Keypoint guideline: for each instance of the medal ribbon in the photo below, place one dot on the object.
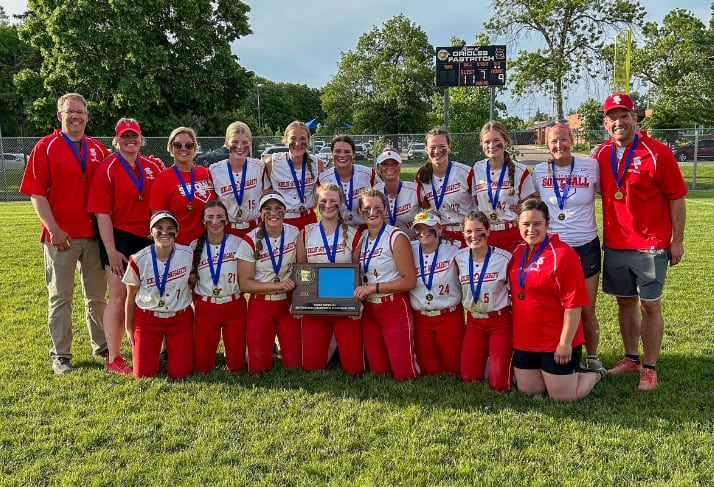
(330, 255)
(216, 274)
(522, 275)
(556, 186)
(82, 160)
(161, 285)
(476, 293)
(299, 188)
(392, 214)
(431, 269)
(494, 200)
(239, 199)
(348, 198)
(613, 161)
(277, 267)
(440, 199)
(189, 196)
(367, 260)
(138, 183)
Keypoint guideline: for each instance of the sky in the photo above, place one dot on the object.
(301, 41)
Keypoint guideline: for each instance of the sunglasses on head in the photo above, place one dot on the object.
(178, 145)
(425, 217)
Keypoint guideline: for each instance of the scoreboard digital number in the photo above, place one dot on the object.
(470, 66)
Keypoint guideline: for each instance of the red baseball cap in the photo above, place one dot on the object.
(128, 126)
(619, 100)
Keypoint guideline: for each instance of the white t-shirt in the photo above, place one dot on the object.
(253, 189)
(507, 206)
(457, 200)
(494, 290)
(315, 246)
(264, 271)
(407, 206)
(445, 287)
(363, 179)
(579, 226)
(228, 278)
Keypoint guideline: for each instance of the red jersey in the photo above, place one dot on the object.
(167, 193)
(113, 192)
(641, 219)
(54, 172)
(554, 283)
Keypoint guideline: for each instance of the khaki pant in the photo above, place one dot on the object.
(59, 277)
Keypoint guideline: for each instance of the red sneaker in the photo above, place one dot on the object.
(118, 366)
(648, 379)
(625, 366)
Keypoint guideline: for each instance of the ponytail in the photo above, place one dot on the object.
(200, 243)
(425, 173)
(259, 235)
(511, 172)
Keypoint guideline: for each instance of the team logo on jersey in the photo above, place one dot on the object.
(202, 191)
(636, 162)
(617, 99)
(93, 152)
(149, 173)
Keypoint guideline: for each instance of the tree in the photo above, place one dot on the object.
(384, 85)
(165, 62)
(573, 32)
(281, 103)
(590, 114)
(675, 60)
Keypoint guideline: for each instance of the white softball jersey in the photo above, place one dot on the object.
(494, 294)
(382, 266)
(445, 288)
(362, 179)
(264, 271)
(282, 181)
(228, 277)
(315, 246)
(407, 202)
(458, 200)
(253, 189)
(506, 208)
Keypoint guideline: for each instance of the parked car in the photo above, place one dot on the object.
(273, 150)
(324, 154)
(318, 145)
(360, 152)
(209, 158)
(705, 150)
(12, 161)
(416, 151)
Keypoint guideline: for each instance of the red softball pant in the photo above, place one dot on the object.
(265, 319)
(505, 239)
(210, 322)
(488, 338)
(302, 221)
(316, 334)
(149, 333)
(388, 330)
(437, 340)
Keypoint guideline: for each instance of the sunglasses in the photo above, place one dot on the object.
(188, 145)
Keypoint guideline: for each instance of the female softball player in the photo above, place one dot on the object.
(158, 303)
(403, 197)
(220, 307)
(436, 299)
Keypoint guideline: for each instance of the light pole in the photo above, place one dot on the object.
(258, 87)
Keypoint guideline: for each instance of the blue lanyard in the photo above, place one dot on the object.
(522, 275)
(440, 199)
(216, 273)
(392, 214)
(298, 187)
(277, 267)
(556, 186)
(431, 269)
(82, 160)
(161, 285)
(140, 183)
(613, 161)
(330, 255)
(367, 260)
(239, 199)
(348, 198)
(476, 293)
(491, 198)
(189, 196)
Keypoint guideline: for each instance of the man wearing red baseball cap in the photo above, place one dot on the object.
(643, 229)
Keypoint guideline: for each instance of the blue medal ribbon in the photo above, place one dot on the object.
(367, 259)
(277, 267)
(491, 198)
(298, 187)
(392, 214)
(189, 196)
(556, 186)
(330, 255)
(138, 183)
(521, 274)
(216, 273)
(476, 293)
(161, 285)
(613, 161)
(239, 197)
(348, 198)
(431, 269)
(440, 199)
(82, 160)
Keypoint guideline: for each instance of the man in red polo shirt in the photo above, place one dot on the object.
(57, 180)
(643, 229)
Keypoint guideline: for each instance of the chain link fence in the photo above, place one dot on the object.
(689, 145)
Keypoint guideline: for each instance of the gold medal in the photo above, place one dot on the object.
(240, 212)
(302, 208)
(216, 291)
(189, 207)
(141, 197)
(161, 303)
(364, 279)
(521, 295)
(429, 297)
(349, 217)
(276, 279)
(561, 216)
(619, 195)
(475, 310)
(84, 177)
(494, 216)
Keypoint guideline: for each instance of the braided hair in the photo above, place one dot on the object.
(425, 172)
(503, 132)
(201, 241)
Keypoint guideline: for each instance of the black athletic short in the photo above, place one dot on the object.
(546, 361)
(125, 242)
(590, 259)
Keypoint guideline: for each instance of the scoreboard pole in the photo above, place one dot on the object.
(493, 102)
(446, 109)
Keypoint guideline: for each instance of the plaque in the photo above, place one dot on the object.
(325, 289)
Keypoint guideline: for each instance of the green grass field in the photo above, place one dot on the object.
(298, 428)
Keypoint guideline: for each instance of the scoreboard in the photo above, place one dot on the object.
(470, 66)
